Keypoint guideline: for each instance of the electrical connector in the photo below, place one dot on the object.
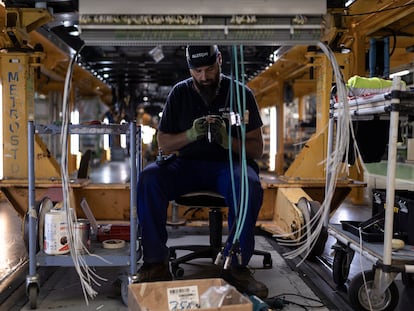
(239, 258)
(219, 259)
(227, 263)
(258, 304)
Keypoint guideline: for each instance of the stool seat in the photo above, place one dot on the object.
(202, 199)
(215, 202)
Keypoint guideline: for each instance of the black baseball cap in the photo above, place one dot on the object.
(201, 55)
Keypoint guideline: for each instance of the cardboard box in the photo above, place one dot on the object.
(177, 295)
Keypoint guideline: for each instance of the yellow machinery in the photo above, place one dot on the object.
(305, 177)
(24, 68)
(311, 74)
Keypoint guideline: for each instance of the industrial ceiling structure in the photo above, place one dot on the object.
(137, 48)
(133, 54)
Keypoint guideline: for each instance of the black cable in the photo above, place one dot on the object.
(279, 301)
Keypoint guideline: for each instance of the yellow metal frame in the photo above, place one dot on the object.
(304, 177)
(350, 31)
(22, 73)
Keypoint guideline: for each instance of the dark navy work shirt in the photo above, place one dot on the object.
(184, 105)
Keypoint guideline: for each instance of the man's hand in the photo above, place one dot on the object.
(219, 134)
(198, 130)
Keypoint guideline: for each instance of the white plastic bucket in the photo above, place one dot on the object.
(55, 233)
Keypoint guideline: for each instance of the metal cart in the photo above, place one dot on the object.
(375, 289)
(127, 256)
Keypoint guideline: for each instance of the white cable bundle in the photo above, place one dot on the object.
(336, 163)
(86, 275)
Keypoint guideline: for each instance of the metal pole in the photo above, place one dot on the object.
(391, 168)
(33, 218)
(328, 163)
(133, 197)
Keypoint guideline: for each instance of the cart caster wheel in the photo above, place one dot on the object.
(124, 292)
(267, 262)
(32, 292)
(407, 279)
(361, 302)
(178, 272)
(122, 285)
(340, 268)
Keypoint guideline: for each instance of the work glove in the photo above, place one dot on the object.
(219, 134)
(198, 130)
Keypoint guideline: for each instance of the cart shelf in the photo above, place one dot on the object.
(125, 256)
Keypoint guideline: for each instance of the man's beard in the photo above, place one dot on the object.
(209, 92)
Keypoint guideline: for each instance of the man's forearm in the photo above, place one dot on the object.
(254, 147)
(169, 143)
(253, 144)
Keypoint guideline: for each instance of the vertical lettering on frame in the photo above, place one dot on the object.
(13, 122)
(17, 88)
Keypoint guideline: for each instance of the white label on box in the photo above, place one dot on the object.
(183, 298)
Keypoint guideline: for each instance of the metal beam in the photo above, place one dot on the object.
(202, 7)
(382, 15)
(221, 30)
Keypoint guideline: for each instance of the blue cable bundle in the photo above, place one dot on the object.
(240, 202)
(258, 304)
(268, 304)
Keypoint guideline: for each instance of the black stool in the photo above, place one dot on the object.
(215, 203)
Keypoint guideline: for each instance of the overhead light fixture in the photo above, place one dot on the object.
(349, 2)
(273, 138)
(157, 54)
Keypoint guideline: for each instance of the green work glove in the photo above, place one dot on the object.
(198, 130)
(219, 134)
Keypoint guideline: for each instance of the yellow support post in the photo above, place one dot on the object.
(309, 163)
(17, 78)
(17, 109)
(324, 78)
(18, 65)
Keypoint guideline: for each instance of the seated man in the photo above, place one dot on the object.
(194, 125)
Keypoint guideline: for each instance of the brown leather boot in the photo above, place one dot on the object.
(242, 279)
(154, 272)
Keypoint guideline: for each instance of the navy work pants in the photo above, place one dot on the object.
(160, 184)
